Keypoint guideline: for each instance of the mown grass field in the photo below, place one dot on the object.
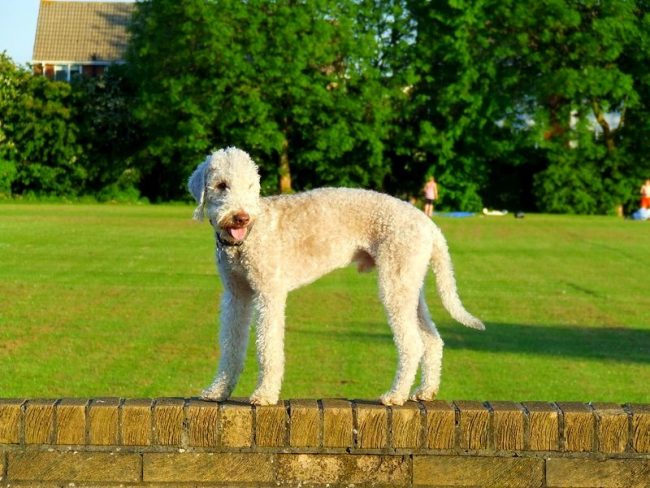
(122, 301)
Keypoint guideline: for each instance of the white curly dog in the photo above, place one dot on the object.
(267, 247)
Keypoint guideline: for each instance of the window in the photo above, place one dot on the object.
(60, 72)
(66, 72)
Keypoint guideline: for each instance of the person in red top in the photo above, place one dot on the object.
(430, 194)
(645, 194)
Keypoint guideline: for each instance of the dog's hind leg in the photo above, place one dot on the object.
(400, 301)
(431, 363)
(236, 314)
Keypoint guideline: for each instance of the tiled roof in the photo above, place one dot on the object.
(82, 31)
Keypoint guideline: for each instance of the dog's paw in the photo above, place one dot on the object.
(424, 394)
(259, 399)
(392, 398)
(214, 395)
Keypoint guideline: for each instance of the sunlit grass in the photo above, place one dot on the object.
(122, 301)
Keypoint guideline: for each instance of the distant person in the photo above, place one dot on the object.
(645, 194)
(430, 195)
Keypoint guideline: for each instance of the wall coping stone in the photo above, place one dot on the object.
(335, 442)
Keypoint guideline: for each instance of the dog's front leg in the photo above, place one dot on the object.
(236, 312)
(270, 347)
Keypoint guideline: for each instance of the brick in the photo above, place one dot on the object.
(579, 427)
(209, 467)
(640, 428)
(372, 425)
(337, 424)
(474, 423)
(343, 470)
(203, 423)
(10, 417)
(271, 425)
(39, 421)
(73, 466)
(440, 424)
(304, 430)
(610, 473)
(168, 419)
(406, 426)
(612, 427)
(136, 422)
(103, 421)
(71, 421)
(236, 424)
(509, 425)
(477, 471)
(544, 426)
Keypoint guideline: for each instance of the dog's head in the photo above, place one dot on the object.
(226, 186)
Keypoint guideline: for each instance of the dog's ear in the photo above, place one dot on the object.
(196, 185)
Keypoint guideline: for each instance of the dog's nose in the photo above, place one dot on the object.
(241, 219)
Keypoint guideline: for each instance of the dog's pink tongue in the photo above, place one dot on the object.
(238, 234)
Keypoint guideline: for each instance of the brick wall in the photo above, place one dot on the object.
(187, 442)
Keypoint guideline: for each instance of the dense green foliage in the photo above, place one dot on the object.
(38, 148)
(520, 104)
(293, 84)
(122, 300)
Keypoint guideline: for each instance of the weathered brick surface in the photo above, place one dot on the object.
(641, 428)
(271, 425)
(406, 426)
(372, 425)
(544, 426)
(236, 424)
(612, 422)
(103, 421)
(474, 423)
(305, 424)
(177, 442)
(337, 424)
(10, 418)
(72, 466)
(209, 467)
(71, 421)
(39, 422)
(509, 424)
(136, 422)
(346, 470)
(168, 417)
(203, 423)
(609, 473)
(579, 427)
(440, 424)
(477, 471)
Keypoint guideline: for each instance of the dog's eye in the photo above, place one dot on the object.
(222, 186)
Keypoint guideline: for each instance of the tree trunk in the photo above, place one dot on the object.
(608, 133)
(284, 170)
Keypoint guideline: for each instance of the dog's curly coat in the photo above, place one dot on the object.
(267, 247)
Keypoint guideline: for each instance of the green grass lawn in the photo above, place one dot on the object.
(122, 301)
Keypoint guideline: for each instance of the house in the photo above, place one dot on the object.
(75, 38)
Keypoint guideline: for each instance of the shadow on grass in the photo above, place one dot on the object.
(600, 343)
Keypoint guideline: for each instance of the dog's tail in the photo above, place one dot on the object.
(446, 283)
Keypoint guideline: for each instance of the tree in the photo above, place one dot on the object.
(291, 81)
(528, 88)
(573, 76)
(108, 133)
(38, 139)
(450, 117)
(10, 77)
